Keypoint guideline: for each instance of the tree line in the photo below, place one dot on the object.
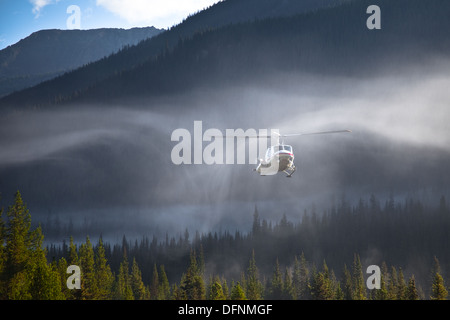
(28, 272)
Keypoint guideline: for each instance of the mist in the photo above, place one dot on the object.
(112, 166)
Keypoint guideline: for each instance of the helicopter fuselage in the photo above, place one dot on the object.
(279, 158)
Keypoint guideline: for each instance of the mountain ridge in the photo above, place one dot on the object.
(223, 13)
(331, 40)
(51, 52)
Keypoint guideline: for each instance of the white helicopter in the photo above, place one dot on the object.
(280, 157)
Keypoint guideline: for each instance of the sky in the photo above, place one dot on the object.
(20, 18)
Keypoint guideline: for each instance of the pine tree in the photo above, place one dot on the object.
(164, 286)
(225, 289)
(253, 284)
(237, 293)
(300, 281)
(358, 284)
(154, 285)
(438, 290)
(401, 286)
(123, 289)
(62, 271)
(338, 293)
(382, 293)
(192, 285)
(296, 286)
(26, 273)
(393, 284)
(276, 285)
(89, 289)
(335, 287)
(72, 259)
(348, 286)
(411, 290)
(18, 242)
(104, 276)
(73, 255)
(321, 287)
(140, 292)
(177, 293)
(288, 289)
(215, 290)
(44, 280)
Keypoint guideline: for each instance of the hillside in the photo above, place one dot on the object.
(222, 14)
(334, 40)
(48, 53)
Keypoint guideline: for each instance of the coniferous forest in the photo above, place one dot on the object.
(272, 261)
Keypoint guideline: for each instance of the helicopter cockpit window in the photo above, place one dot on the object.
(288, 148)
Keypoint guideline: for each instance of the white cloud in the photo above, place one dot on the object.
(159, 13)
(38, 5)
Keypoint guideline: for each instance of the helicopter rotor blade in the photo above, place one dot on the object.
(314, 133)
(233, 136)
(276, 134)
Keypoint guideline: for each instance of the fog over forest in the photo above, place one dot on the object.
(114, 167)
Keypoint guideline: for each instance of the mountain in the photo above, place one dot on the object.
(48, 53)
(221, 14)
(332, 40)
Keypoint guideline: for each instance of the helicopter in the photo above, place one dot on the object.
(280, 157)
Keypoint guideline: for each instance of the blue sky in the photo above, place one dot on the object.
(20, 18)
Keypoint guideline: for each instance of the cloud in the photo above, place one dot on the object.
(153, 12)
(38, 5)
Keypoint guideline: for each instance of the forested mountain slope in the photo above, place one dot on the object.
(48, 53)
(329, 41)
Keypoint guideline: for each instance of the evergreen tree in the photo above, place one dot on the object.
(164, 286)
(237, 293)
(89, 289)
(358, 284)
(335, 287)
(140, 292)
(192, 285)
(393, 284)
(338, 293)
(44, 280)
(411, 290)
(276, 285)
(438, 290)
(253, 284)
(348, 286)
(62, 271)
(154, 285)
(288, 289)
(216, 291)
(401, 286)
(225, 289)
(382, 293)
(177, 293)
(18, 242)
(300, 281)
(123, 289)
(25, 271)
(321, 287)
(73, 255)
(104, 276)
